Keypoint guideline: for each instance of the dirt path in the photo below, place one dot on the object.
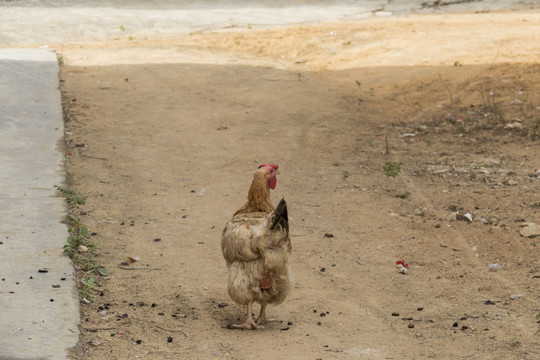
(163, 146)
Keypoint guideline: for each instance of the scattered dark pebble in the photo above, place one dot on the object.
(222, 305)
(124, 263)
(395, 314)
(1, 242)
(464, 327)
(80, 145)
(122, 223)
(328, 235)
(325, 346)
(289, 323)
(138, 342)
(93, 234)
(323, 269)
(410, 326)
(100, 308)
(61, 279)
(123, 316)
(169, 339)
(153, 305)
(319, 323)
(112, 334)
(489, 302)
(43, 270)
(52, 300)
(140, 303)
(323, 314)
(420, 309)
(131, 304)
(407, 318)
(463, 318)
(161, 314)
(192, 191)
(17, 283)
(455, 324)
(174, 315)
(284, 329)
(101, 293)
(314, 310)
(56, 286)
(31, 277)
(157, 240)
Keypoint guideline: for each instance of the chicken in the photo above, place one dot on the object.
(256, 247)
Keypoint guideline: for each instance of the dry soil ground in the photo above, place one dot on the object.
(163, 136)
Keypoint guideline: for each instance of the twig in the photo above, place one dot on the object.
(386, 143)
(99, 329)
(136, 268)
(384, 245)
(93, 157)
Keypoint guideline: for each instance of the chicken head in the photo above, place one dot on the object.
(271, 172)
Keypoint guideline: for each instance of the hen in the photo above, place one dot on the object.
(256, 247)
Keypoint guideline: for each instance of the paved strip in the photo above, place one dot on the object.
(38, 318)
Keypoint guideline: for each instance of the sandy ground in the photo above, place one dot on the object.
(163, 135)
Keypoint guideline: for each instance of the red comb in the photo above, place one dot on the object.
(271, 165)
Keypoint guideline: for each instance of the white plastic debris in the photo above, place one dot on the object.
(494, 267)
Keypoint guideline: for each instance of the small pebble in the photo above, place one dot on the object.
(169, 339)
(222, 305)
(138, 342)
(410, 326)
(455, 324)
(323, 269)
(395, 314)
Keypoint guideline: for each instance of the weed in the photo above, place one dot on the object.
(458, 63)
(515, 342)
(78, 235)
(346, 174)
(462, 129)
(60, 59)
(392, 169)
(88, 287)
(123, 28)
(404, 195)
(73, 201)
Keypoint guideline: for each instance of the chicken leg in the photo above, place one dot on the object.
(249, 324)
(262, 315)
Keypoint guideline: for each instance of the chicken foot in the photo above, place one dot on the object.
(250, 323)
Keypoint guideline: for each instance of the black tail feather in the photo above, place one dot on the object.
(280, 215)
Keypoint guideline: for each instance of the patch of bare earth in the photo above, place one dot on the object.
(164, 152)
